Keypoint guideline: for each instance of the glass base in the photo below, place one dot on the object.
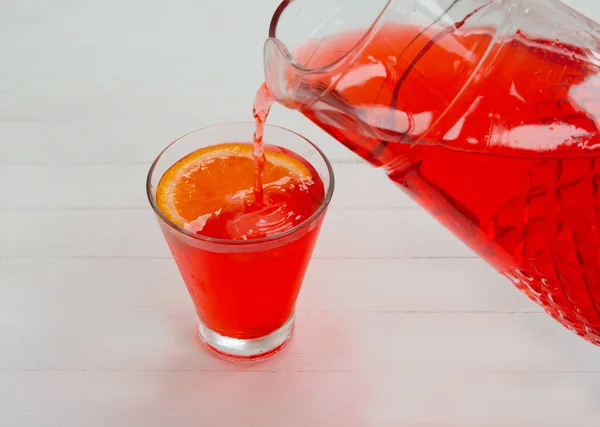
(250, 349)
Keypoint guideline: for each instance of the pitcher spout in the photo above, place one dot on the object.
(299, 64)
(282, 76)
(381, 73)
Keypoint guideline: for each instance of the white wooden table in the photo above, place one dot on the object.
(398, 323)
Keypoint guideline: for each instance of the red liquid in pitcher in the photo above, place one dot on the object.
(511, 167)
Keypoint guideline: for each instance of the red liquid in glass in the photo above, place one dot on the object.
(511, 167)
(245, 291)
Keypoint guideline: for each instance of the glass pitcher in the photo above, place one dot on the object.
(484, 111)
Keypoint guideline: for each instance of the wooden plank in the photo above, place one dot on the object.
(362, 233)
(117, 186)
(422, 398)
(102, 141)
(183, 398)
(86, 336)
(366, 286)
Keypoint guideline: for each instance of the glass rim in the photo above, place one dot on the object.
(311, 219)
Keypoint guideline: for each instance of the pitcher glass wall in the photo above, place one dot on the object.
(484, 111)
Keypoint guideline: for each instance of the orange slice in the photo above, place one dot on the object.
(220, 176)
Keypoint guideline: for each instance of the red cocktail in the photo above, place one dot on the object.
(242, 259)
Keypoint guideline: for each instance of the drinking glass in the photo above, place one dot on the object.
(244, 291)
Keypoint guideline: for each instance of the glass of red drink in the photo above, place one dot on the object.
(245, 291)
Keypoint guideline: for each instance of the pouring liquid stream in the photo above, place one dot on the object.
(262, 105)
(269, 205)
